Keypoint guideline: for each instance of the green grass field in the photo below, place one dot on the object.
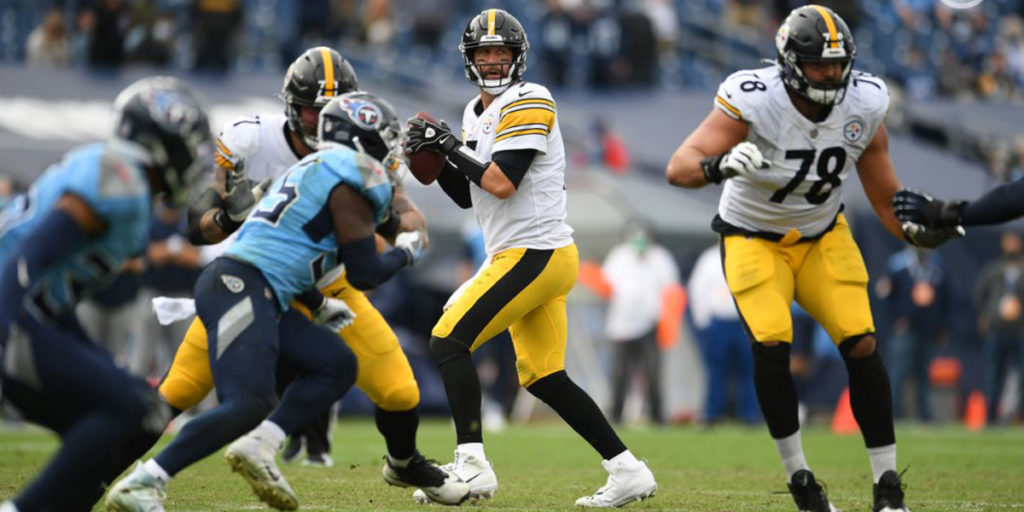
(546, 467)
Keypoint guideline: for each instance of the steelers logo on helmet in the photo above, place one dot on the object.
(494, 27)
(815, 34)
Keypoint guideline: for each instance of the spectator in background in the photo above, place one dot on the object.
(996, 82)
(916, 291)
(215, 28)
(640, 274)
(725, 347)
(48, 44)
(172, 270)
(151, 40)
(429, 20)
(999, 296)
(107, 314)
(605, 47)
(6, 190)
(556, 43)
(107, 27)
(665, 24)
(744, 13)
(378, 25)
(610, 150)
(638, 50)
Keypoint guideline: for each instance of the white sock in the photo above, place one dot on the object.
(151, 467)
(271, 432)
(883, 459)
(399, 463)
(474, 449)
(791, 450)
(8, 506)
(625, 457)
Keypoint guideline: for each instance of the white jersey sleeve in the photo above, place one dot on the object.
(237, 140)
(869, 95)
(741, 94)
(525, 119)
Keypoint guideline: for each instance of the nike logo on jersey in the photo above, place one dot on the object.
(524, 93)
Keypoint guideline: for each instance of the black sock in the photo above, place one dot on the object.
(462, 385)
(578, 410)
(775, 389)
(399, 430)
(871, 399)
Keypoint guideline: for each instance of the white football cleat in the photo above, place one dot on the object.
(479, 474)
(139, 491)
(626, 483)
(253, 457)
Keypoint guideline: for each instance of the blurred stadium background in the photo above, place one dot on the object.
(631, 78)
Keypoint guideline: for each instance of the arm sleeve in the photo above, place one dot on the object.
(456, 185)
(514, 163)
(364, 268)
(55, 237)
(1001, 204)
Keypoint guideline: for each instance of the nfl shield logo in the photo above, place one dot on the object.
(233, 283)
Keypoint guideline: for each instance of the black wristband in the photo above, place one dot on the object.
(224, 222)
(466, 162)
(712, 171)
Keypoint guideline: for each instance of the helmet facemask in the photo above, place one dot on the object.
(831, 45)
(500, 85)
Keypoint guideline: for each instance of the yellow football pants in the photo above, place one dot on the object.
(827, 277)
(384, 371)
(522, 290)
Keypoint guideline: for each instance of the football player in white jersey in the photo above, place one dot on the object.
(510, 168)
(261, 147)
(782, 141)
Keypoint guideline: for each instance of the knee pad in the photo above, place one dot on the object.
(771, 357)
(402, 399)
(852, 348)
(549, 385)
(445, 350)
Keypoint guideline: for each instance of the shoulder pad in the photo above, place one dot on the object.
(237, 140)
(869, 92)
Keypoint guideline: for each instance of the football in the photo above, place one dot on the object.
(425, 165)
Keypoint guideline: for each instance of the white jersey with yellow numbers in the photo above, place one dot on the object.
(802, 187)
(522, 117)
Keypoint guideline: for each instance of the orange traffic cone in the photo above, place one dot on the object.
(974, 413)
(843, 421)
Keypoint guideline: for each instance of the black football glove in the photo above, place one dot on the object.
(424, 135)
(922, 236)
(238, 198)
(917, 207)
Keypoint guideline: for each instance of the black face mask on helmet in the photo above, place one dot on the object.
(813, 33)
(166, 125)
(317, 76)
(494, 27)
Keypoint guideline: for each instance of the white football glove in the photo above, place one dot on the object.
(412, 243)
(743, 159)
(334, 314)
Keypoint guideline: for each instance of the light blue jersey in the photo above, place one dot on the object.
(289, 236)
(115, 187)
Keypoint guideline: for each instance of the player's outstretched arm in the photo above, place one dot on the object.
(715, 136)
(877, 176)
(353, 220)
(1001, 204)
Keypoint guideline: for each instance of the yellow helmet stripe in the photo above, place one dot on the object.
(325, 53)
(490, 21)
(833, 36)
